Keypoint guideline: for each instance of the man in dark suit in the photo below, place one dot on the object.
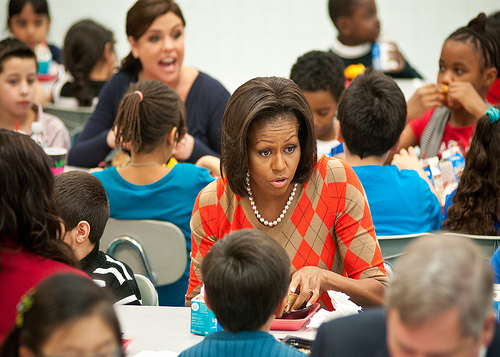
(439, 303)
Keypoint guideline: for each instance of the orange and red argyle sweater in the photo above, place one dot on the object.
(328, 226)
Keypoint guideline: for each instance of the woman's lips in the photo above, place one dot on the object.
(279, 182)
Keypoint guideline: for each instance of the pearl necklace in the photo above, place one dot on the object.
(256, 211)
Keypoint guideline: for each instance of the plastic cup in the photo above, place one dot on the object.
(57, 159)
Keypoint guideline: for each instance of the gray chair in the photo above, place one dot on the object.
(74, 118)
(149, 295)
(393, 247)
(155, 249)
(489, 244)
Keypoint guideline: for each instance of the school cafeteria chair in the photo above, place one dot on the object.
(155, 249)
(149, 295)
(74, 118)
(488, 244)
(393, 247)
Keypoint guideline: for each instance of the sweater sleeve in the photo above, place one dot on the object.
(91, 146)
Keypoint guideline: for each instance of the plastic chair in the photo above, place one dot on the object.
(393, 247)
(155, 249)
(149, 295)
(74, 118)
(489, 244)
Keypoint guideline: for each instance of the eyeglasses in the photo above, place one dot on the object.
(117, 352)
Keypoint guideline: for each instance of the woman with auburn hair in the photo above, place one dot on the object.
(155, 30)
(31, 245)
(272, 180)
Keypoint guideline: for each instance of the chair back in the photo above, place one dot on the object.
(155, 249)
(489, 244)
(149, 295)
(393, 247)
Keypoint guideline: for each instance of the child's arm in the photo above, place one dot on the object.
(409, 160)
(426, 97)
(468, 97)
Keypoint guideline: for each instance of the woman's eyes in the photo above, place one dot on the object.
(265, 153)
(289, 150)
(154, 38)
(176, 35)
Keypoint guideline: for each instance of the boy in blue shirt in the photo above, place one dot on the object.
(246, 277)
(372, 115)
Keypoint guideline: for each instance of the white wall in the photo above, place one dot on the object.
(235, 40)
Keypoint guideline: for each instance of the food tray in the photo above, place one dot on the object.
(293, 324)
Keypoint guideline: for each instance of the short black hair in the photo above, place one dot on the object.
(319, 70)
(246, 275)
(372, 114)
(80, 196)
(11, 47)
(337, 8)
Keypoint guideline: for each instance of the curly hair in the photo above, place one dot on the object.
(28, 213)
(318, 70)
(476, 204)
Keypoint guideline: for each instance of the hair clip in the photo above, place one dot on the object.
(23, 306)
(140, 95)
(494, 114)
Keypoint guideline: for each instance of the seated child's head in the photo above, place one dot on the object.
(149, 113)
(83, 207)
(18, 75)
(470, 54)
(88, 46)
(246, 277)
(29, 21)
(355, 20)
(320, 77)
(65, 313)
(372, 114)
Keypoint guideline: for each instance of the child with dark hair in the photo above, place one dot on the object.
(447, 112)
(18, 108)
(246, 277)
(66, 315)
(372, 115)
(320, 77)
(90, 61)
(358, 29)
(83, 207)
(29, 21)
(493, 25)
(31, 245)
(150, 122)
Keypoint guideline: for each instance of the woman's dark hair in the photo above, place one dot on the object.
(483, 38)
(11, 47)
(476, 204)
(145, 118)
(84, 46)
(16, 6)
(58, 300)
(262, 100)
(28, 213)
(139, 18)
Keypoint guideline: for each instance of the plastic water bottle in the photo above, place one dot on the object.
(37, 133)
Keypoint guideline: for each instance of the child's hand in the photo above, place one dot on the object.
(406, 159)
(395, 55)
(465, 94)
(184, 148)
(211, 163)
(426, 97)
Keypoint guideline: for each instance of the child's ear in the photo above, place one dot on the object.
(278, 312)
(171, 138)
(490, 75)
(340, 138)
(82, 231)
(344, 25)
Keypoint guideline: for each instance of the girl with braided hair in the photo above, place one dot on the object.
(447, 112)
(150, 123)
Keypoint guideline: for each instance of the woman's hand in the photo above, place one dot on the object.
(184, 148)
(426, 97)
(307, 283)
(465, 94)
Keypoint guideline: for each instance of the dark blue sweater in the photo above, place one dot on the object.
(205, 105)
